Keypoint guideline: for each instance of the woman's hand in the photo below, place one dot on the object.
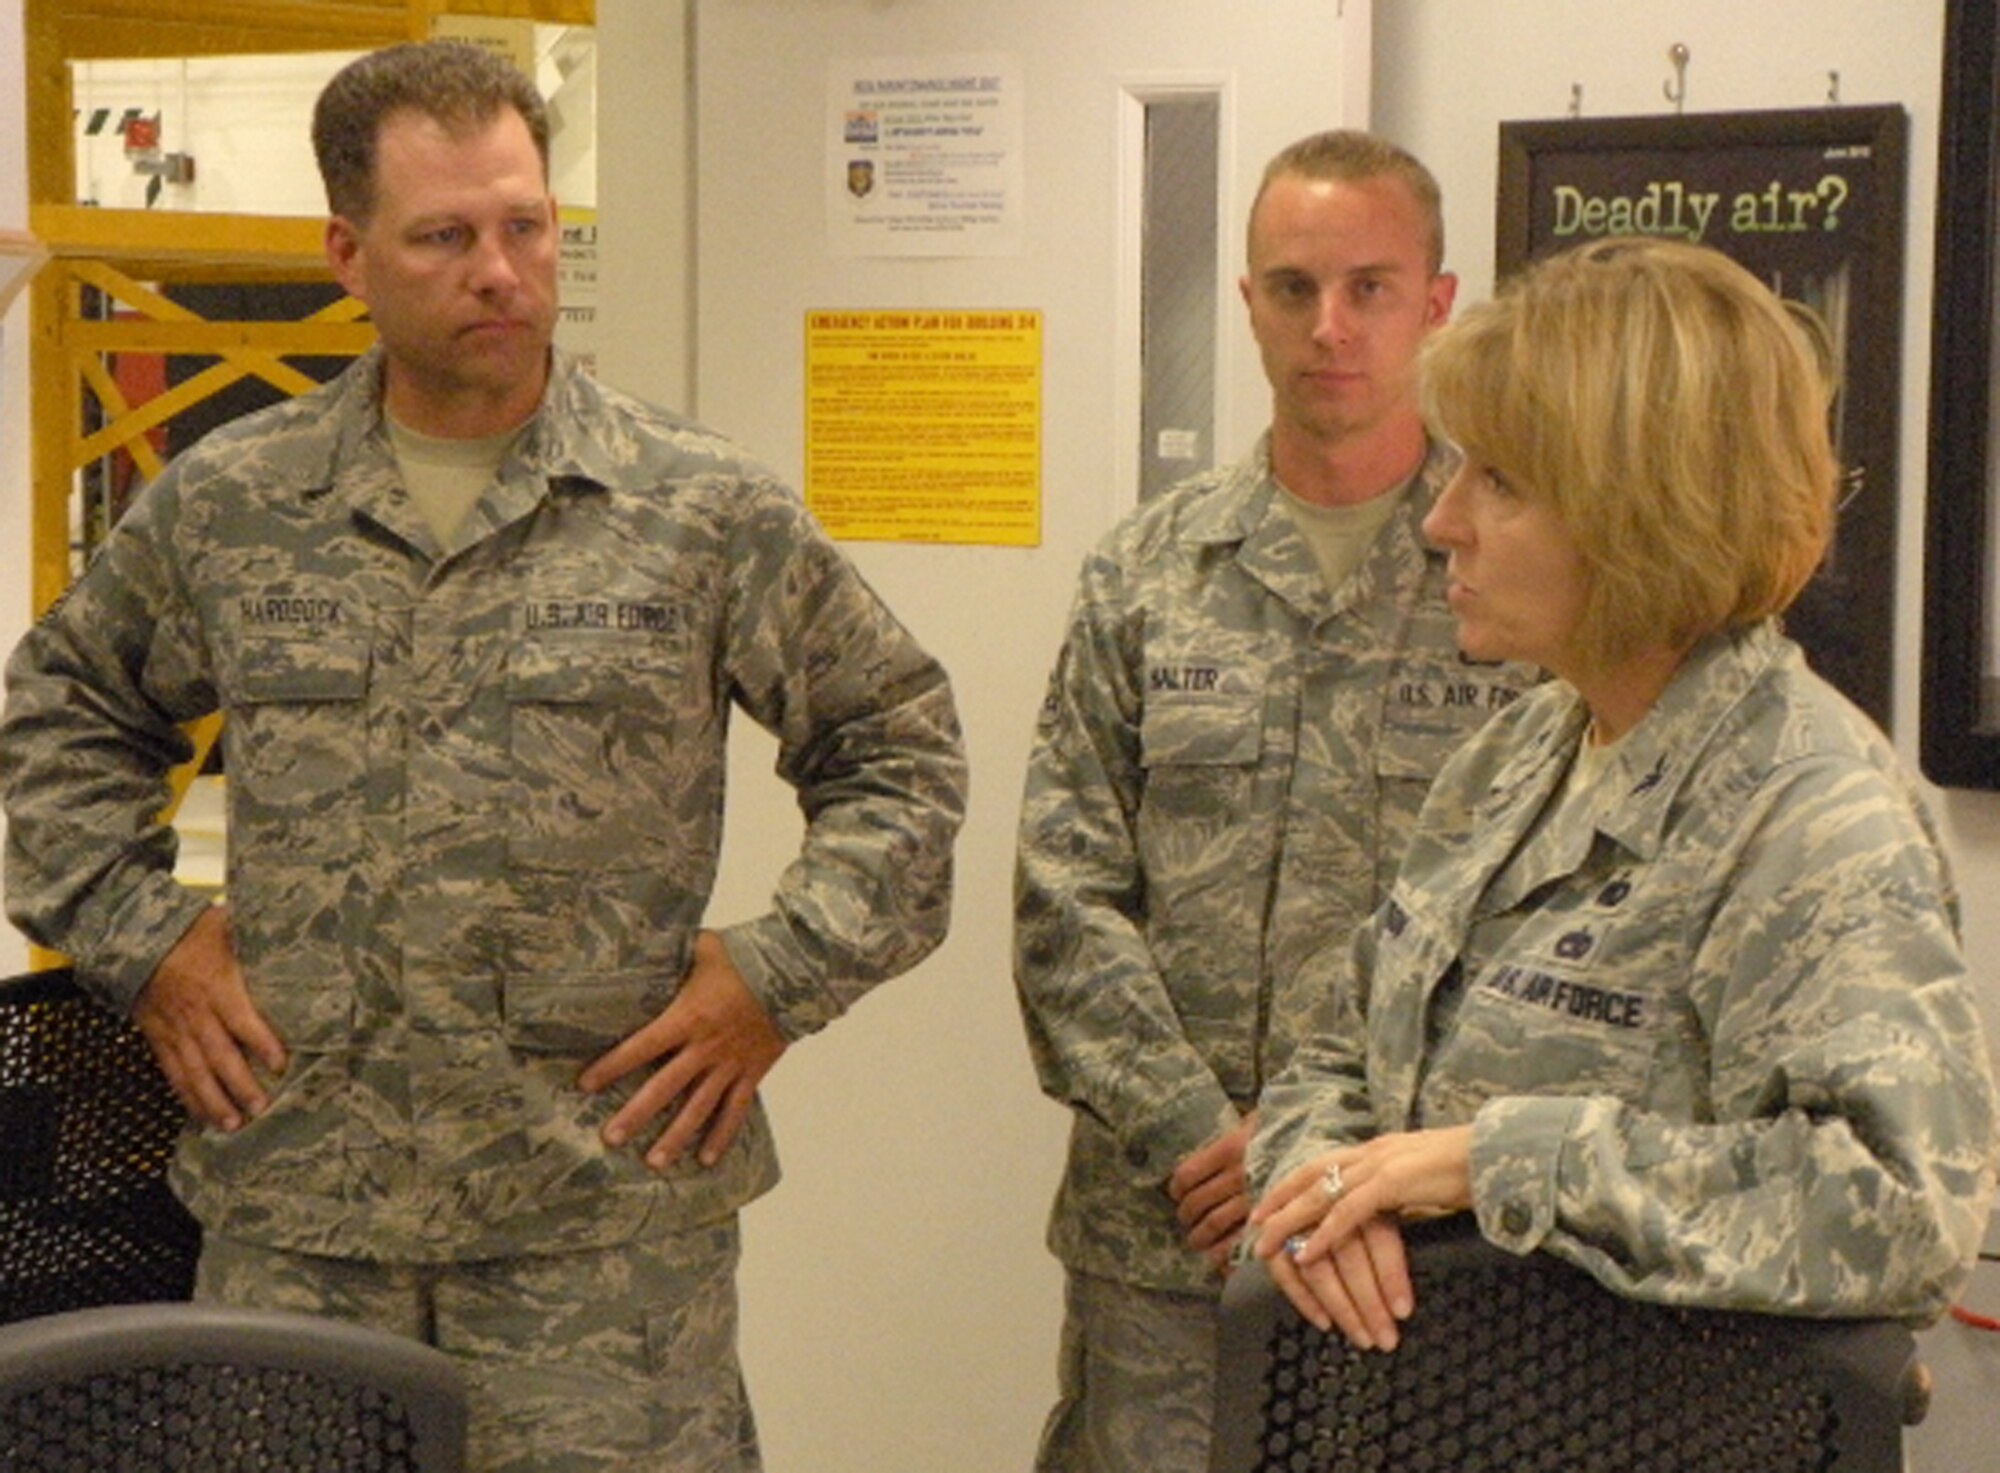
(1361, 1287)
(1338, 1254)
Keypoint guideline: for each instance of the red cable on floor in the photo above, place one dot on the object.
(1971, 1317)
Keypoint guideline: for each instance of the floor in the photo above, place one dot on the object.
(1962, 1432)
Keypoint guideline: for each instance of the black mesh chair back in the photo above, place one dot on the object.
(211, 1389)
(1519, 1365)
(87, 1126)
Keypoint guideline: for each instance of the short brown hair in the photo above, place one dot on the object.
(460, 85)
(1675, 413)
(1350, 155)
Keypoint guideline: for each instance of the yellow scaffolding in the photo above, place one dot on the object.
(118, 250)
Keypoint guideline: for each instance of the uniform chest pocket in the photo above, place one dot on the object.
(600, 748)
(1524, 1030)
(297, 743)
(1429, 711)
(1200, 758)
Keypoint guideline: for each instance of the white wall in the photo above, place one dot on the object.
(13, 387)
(1447, 72)
(899, 1309)
(645, 235)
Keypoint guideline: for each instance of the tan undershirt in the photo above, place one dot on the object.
(1340, 536)
(446, 478)
(1592, 759)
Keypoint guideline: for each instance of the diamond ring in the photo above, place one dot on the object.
(1332, 1185)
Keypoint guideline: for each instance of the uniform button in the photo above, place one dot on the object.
(1136, 1155)
(1516, 1219)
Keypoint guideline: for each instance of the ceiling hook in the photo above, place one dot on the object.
(1677, 89)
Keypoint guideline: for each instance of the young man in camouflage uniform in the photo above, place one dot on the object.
(1259, 680)
(462, 1060)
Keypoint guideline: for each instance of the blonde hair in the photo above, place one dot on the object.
(1350, 155)
(1673, 410)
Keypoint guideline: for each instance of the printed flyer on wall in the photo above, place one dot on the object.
(924, 156)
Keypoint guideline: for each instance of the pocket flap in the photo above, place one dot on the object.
(581, 1015)
(275, 671)
(572, 674)
(1212, 732)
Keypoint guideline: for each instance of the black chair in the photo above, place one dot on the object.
(87, 1126)
(1519, 1365)
(212, 1389)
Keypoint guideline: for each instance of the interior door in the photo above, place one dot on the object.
(900, 1311)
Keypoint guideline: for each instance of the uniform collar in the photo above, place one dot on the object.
(1657, 758)
(349, 455)
(1248, 514)
(565, 442)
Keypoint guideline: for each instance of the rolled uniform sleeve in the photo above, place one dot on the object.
(96, 693)
(1102, 1024)
(869, 738)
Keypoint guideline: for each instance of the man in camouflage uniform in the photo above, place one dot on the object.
(476, 623)
(1259, 681)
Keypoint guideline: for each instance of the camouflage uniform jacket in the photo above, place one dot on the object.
(1710, 1024)
(1227, 765)
(475, 795)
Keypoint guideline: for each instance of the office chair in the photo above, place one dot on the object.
(87, 1126)
(1528, 1365)
(201, 1388)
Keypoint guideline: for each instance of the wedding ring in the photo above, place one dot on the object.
(1294, 1245)
(1331, 1185)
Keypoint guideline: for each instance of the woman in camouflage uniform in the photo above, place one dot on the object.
(1670, 982)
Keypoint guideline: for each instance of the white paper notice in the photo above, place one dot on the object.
(924, 156)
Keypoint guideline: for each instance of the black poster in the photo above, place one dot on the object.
(1812, 202)
(1961, 673)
